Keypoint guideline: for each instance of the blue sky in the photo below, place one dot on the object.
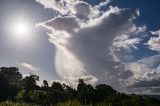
(148, 10)
(52, 59)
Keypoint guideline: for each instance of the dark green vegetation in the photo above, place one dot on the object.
(18, 91)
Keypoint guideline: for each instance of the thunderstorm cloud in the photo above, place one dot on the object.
(95, 44)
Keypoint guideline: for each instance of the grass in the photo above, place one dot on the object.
(9, 103)
(67, 103)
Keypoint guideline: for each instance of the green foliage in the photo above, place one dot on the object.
(12, 74)
(4, 87)
(70, 92)
(80, 85)
(103, 91)
(56, 86)
(25, 90)
(29, 82)
(21, 95)
(86, 94)
(37, 96)
(45, 83)
(14, 77)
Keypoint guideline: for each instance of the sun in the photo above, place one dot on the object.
(21, 28)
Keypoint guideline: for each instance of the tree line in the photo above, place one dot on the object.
(13, 87)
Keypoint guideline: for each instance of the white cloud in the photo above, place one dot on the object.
(143, 67)
(103, 4)
(89, 79)
(67, 23)
(81, 9)
(90, 43)
(126, 43)
(156, 32)
(25, 75)
(57, 5)
(50, 82)
(146, 75)
(130, 38)
(29, 66)
(154, 42)
(60, 6)
(72, 81)
(86, 50)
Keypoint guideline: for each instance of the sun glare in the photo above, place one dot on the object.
(21, 28)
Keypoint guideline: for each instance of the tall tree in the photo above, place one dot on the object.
(70, 92)
(57, 86)
(86, 93)
(45, 83)
(29, 82)
(45, 86)
(80, 85)
(58, 91)
(12, 74)
(14, 78)
(103, 91)
(4, 87)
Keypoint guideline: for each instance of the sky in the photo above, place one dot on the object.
(101, 41)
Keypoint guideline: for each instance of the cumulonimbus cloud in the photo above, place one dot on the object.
(90, 42)
(85, 50)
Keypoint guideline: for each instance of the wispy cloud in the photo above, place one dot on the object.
(29, 66)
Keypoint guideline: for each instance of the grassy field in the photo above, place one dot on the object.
(68, 103)
(9, 103)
